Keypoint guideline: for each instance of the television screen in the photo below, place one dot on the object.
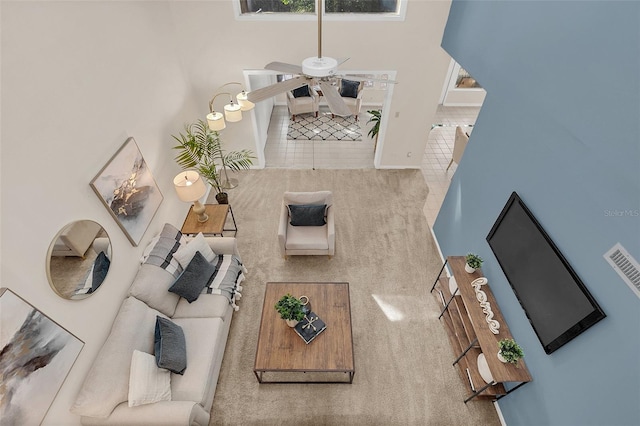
(556, 302)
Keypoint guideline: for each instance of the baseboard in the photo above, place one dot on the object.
(435, 239)
(389, 167)
(502, 421)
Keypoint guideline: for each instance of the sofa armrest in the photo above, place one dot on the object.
(163, 413)
(282, 228)
(223, 245)
(331, 231)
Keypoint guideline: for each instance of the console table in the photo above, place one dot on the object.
(470, 336)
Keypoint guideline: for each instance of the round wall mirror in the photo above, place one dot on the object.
(78, 259)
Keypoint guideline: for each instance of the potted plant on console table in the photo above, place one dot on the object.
(200, 148)
(509, 351)
(290, 309)
(473, 262)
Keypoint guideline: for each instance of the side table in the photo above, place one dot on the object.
(214, 225)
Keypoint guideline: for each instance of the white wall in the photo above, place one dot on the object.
(78, 78)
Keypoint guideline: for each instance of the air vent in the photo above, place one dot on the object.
(626, 266)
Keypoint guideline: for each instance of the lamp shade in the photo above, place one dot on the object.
(189, 186)
(216, 121)
(245, 103)
(232, 112)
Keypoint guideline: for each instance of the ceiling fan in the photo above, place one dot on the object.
(314, 71)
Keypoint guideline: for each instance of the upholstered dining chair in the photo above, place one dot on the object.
(459, 144)
(303, 100)
(307, 224)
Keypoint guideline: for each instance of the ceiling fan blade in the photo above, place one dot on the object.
(334, 100)
(284, 68)
(342, 60)
(275, 89)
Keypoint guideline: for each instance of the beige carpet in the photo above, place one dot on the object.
(385, 251)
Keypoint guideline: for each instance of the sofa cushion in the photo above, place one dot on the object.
(185, 253)
(205, 348)
(107, 383)
(207, 306)
(151, 285)
(349, 89)
(194, 278)
(169, 345)
(307, 214)
(147, 382)
(307, 238)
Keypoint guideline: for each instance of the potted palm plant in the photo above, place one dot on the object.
(376, 116)
(290, 309)
(509, 351)
(200, 148)
(473, 262)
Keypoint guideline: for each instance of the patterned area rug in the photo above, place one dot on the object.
(325, 128)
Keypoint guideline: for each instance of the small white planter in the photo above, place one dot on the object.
(292, 323)
(469, 269)
(500, 357)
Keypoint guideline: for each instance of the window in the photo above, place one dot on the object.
(274, 9)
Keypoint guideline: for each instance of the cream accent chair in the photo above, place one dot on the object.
(303, 104)
(459, 144)
(354, 104)
(76, 239)
(307, 240)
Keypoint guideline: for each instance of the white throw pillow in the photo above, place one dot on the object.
(185, 252)
(148, 248)
(147, 382)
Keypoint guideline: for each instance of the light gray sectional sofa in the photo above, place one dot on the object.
(103, 398)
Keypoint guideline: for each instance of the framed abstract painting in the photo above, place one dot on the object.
(128, 190)
(36, 354)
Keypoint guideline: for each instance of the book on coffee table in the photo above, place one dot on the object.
(310, 327)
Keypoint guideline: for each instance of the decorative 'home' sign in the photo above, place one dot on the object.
(494, 326)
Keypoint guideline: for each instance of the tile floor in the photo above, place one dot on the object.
(282, 153)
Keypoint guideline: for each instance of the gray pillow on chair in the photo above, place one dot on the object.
(301, 92)
(349, 89)
(307, 214)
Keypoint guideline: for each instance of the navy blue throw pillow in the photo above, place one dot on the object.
(307, 215)
(349, 89)
(170, 346)
(301, 91)
(194, 278)
(100, 269)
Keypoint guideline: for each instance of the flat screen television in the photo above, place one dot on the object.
(555, 300)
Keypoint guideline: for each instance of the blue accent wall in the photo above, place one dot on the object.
(561, 126)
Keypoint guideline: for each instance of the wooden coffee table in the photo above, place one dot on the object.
(283, 357)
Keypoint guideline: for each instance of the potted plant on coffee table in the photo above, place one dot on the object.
(290, 309)
(509, 351)
(473, 262)
(200, 148)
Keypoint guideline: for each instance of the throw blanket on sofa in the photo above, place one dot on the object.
(227, 278)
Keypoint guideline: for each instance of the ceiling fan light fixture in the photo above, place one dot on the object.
(216, 121)
(232, 112)
(245, 103)
(319, 67)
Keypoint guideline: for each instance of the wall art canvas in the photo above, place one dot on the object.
(36, 354)
(126, 187)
